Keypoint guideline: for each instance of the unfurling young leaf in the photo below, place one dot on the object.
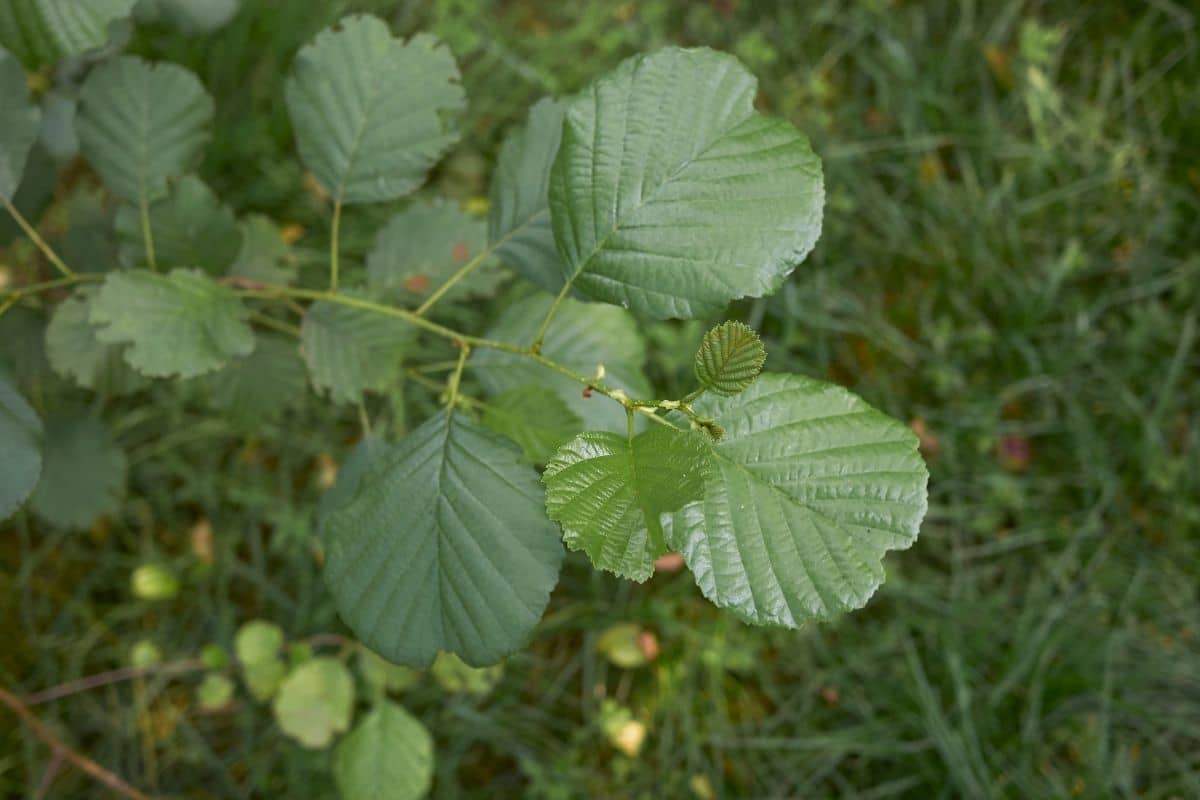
(388, 756)
(444, 546)
(181, 324)
(141, 124)
(671, 195)
(372, 113)
(21, 443)
(608, 492)
(316, 702)
(19, 129)
(730, 358)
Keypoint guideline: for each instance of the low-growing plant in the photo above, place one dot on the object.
(659, 191)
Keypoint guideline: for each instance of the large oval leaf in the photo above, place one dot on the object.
(582, 336)
(444, 545)
(351, 350)
(519, 212)
(807, 490)
(370, 111)
(672, 196)
(21, 442)
(42, 32)
(20, 127)
(141, 124)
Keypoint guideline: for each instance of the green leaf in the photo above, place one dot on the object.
(609, 492)
(352, 350)
(457, 677)
(263, 678)
(316, 702)
(181, 324)
(22, 350)
(259, 387)
(20, 128)
(582, 336)
(370, 111)
(141, 124)
(388, 756)
(189, 16)
(444, 546)
(258, 641)
(264, 256)
(214, 692)
(672, 196)
(806, 492)
(190, 227)
(622, 645)
(534, 417)
(519, 211)
(77, 354)
(729, 359)
(21, 443)
(83, 476)
(421, 247)
(384, 676)
(41, 32)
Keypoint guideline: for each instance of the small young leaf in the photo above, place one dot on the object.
(351, 350)
(384, 676)
(141, 124)
(671, 195)
(191, 228)
(803, 496)
(21, 443)
(83, 476)
(214, 692)
(388, 756)
(258, 641)
(19, 130)
(75, 351)
(181, 324)
(444, 546)
(315, 702)
(608, 492)
(370, 111)
(519, 211)
(582, 336)
(42, 32)
(730, 358)
(260, 386)
(534, 417)
(421, 247)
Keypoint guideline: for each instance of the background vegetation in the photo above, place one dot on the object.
(1010, 259)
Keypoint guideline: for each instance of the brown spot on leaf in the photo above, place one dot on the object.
(461, 252)
(416, 283)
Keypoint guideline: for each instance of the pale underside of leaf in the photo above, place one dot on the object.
(370, 111)
(804, 495)
(444, 545)
(671, 196)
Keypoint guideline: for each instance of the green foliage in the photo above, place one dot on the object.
(21, 437)
(214, 692)
(83, 473)
(519, 219)
(457, 677)
(142, 124)
(388, 756)
(45, 31)
(20, 129)
(182, 323)
(315, 702)
(261, 386)
(75, 351)
(609, 493)
(370, 111)
(257, 647)
(534, 417)
(191, 228)
(671, 195)
(351, 350)
(804, 494)
(454, 520)
(730, 358)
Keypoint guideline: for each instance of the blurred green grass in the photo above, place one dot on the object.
(1010, 258)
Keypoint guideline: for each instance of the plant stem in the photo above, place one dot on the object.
(536, 347)
(456, 377)
(36, 238)
(147, 234)
(17, 294)
(333, 245)
(59, 748)
(461, 273)
(275, 324)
